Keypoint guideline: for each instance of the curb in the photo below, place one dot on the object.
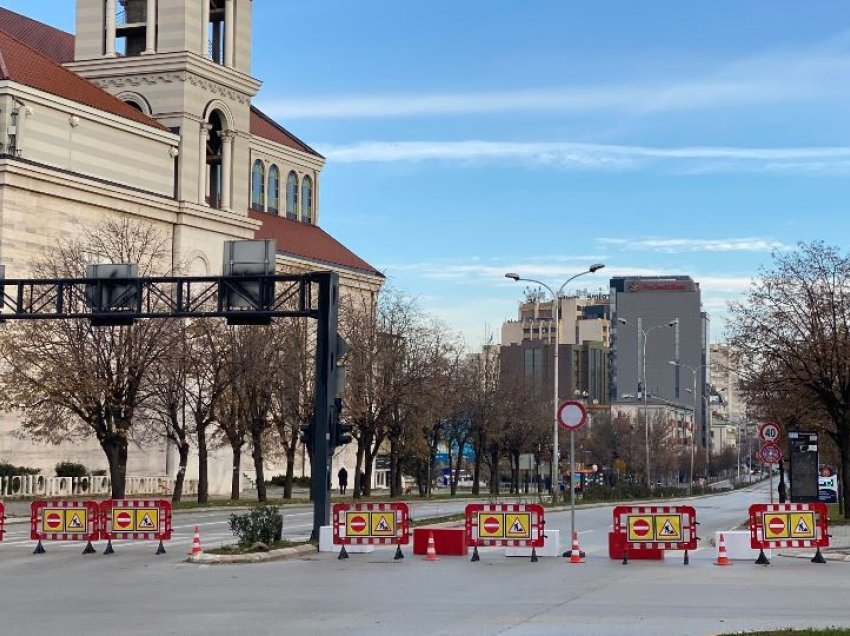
(258, 557)
(839, 557)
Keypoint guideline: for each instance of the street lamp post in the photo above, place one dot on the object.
(556, 317)
(645, 333)
(706, 424)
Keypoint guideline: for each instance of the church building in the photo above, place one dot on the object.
(147, 112)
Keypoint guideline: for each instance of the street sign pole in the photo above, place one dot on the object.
(572, 416)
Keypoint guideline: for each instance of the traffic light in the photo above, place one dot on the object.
(342, 434)
(306, 435)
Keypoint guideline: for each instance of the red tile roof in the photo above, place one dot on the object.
(309, 242)
(50, 42)
(25, 65)
(264, 126)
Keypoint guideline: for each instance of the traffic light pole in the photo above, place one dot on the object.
(324, 406)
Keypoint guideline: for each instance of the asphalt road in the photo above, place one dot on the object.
(135, 592)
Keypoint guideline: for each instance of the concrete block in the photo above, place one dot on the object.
(326, 543)
(738, 545)
(551, 547)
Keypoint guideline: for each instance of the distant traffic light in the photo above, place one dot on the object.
(306, 435)
(342, 434)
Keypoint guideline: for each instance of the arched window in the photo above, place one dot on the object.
(258, 186)
(274, 190)
(292, 196)
(307, 200)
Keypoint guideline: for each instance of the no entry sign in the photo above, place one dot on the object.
(572, 415)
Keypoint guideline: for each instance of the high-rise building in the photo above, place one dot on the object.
(656, 320)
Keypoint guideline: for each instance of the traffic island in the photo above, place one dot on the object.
(207, 558)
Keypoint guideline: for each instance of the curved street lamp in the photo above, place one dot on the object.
(556, 317)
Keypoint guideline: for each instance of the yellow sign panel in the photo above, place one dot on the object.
(147, 519)
(75, 520)
(491, 525)
(668, 527)
(53, 520)
(518, 525)
(357, 524)
(641, 528)
(383, 524)
(802, 525)
(776, 525)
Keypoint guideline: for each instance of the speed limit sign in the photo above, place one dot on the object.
(769, 432)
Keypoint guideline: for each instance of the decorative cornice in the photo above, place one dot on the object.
(136, 81)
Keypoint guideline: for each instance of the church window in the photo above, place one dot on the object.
(292, 196)
(307, 200)
(274, 190)
(258, 183)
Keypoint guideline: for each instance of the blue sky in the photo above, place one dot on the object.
(468, 139)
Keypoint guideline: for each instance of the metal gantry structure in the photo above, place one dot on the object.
(242, 300)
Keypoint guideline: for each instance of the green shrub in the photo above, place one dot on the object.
(10, 470)
(71, 469)
(280, 480)
(263, 523)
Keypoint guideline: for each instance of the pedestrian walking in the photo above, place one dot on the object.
(342, 479)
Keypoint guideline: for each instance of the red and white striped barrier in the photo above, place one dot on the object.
(789, 525)
(510, 525)
(656, 528)
(135, 519)
(64, 521)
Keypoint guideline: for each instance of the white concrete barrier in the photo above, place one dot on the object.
(551, 547)
(738, 545)
(28, 486)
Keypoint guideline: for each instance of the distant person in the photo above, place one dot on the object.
(342, 478)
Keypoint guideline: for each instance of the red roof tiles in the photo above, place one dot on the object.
(264, 126)
(25, 65)
(309, 242)
(50, 42)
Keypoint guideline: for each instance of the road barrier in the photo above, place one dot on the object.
(64, 521)
(656, 528)
(789, 525)
(135, 519)
(371, 524)
(512, 525)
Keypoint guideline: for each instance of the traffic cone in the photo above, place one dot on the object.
(722, 559)
(431, 552)
(196, 543)
(575, 552)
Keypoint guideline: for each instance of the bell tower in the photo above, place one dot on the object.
(187, 64)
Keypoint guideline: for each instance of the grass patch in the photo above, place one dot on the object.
(432, 520)
(236, 549)
(828, 631)
(237, 503)
(835, 516)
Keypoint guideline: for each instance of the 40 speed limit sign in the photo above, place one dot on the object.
(769, 432)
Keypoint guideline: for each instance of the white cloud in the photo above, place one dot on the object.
(606, 157)
(814, 73)
(680, 245)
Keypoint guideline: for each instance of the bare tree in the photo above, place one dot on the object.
(793, 334)
(70, 379)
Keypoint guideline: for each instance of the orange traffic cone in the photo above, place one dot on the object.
(196, 544)
(575, 552)
(431, 552)
(722, 559)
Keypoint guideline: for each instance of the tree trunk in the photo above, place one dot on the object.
(257, 454)
(358, 464)
(183, 450)
(203, 474)
(844, 449)
(115, 447)
(476, 470)
(290, 471)
(235, 480)
(495, 477)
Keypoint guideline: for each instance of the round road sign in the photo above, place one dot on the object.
(769, 432)
(358, 524)
(53, 520)
(770, 453)
(572, 415)
(122, 520)
(640, 527)
(492, 525)
(776, 526)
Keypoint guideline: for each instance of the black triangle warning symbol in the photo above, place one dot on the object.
(146, 523)
(517, 528)
(801, 528)
(382, 526)
(75, 523)
(667, 530)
